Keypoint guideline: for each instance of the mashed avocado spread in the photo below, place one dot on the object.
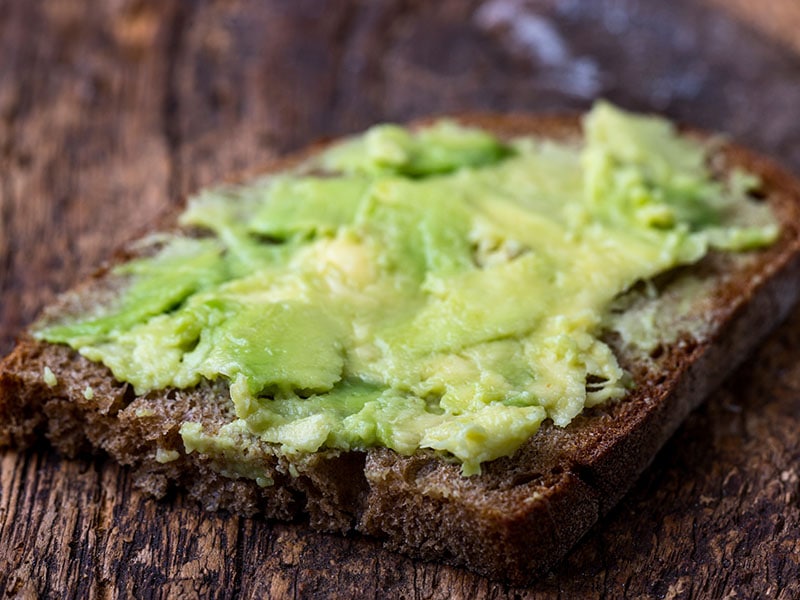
(430, 288)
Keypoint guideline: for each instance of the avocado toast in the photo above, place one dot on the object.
(673, 332)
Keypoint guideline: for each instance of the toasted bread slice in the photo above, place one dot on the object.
(523, 512)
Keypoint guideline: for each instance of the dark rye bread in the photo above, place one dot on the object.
(517, 518)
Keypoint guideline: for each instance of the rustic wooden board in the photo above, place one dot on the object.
(110, 111)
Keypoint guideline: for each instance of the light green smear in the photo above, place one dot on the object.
(432, 288)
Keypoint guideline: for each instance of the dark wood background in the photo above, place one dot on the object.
(111, 111)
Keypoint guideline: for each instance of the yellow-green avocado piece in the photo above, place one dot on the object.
(429, 288)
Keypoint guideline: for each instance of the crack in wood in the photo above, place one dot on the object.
(176, 28)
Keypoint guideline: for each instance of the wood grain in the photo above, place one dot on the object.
(111, 111)
(779, 19)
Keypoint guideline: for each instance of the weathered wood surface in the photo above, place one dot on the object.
(110, 111)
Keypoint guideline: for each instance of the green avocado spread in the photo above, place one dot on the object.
(430, 288)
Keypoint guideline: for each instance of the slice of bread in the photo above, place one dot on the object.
(522, 513)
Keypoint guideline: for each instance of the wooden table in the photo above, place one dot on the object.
(111, 111)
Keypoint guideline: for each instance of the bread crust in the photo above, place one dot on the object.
(515, 520)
